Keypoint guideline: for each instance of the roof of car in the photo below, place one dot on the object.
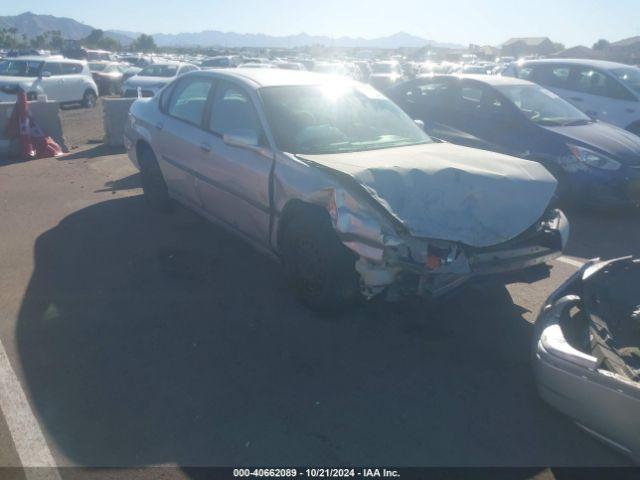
(602, 64)
(493, 80)
(49, 58)
(272, 77)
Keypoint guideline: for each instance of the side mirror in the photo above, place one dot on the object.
(248, 140)
(45, 74)
(419, 123)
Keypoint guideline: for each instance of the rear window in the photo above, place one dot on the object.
(71, 68)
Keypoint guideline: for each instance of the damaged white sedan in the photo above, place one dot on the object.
(335, 180)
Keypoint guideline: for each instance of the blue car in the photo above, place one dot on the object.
(595, 163)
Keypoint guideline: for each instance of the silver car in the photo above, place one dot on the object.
(331, 177)
(587, 352)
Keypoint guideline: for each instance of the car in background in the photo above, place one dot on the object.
(607, 91)
(62, 80)
(520, 118)
(108, 76)
(290, 66)
(334, 68)
(153, 78)
(365, 70)
(256, 65)
(222, 61)
(331, 177)
(586, 352)
(385, 74)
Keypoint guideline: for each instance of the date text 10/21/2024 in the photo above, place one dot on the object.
(317, 472)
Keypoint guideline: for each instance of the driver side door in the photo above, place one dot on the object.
(232, 176)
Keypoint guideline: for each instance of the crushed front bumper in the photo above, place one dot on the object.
(498, 263)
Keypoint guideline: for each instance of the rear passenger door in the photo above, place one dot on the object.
(233, 174)
(72, 81)
(52, 82)
(178, 135)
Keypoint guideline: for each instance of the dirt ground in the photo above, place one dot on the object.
(82, 126)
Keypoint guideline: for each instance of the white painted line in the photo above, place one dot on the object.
(25, 431)
(571, 261)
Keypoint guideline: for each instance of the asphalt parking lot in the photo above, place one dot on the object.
(146, 339)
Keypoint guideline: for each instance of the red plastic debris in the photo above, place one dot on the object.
(33, 142)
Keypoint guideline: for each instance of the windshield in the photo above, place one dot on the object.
(542, 106)
(381, 68)
(159, 71)
(97, 67)
(337, 117)
(630, 77)
(20, 68)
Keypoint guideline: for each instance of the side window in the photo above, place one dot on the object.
(232, 113)
(554, 76)
(165, 97)
(432, 94)
(525, 73)
(471, 98)
(52, 68)
(189, 99)
(71, 68)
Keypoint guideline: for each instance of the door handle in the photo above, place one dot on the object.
(577, 99)
(159, 126)
(205, 147)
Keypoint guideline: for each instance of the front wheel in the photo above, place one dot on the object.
(89, 99)
(319, 268)
(154, 186)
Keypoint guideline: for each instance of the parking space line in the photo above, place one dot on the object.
(28, 439)
(571, 261)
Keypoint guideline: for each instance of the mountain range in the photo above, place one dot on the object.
(31, 25)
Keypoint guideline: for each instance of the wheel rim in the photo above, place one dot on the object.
(89, 99)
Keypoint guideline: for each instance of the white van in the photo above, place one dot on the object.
(61, 80)
(607, 91)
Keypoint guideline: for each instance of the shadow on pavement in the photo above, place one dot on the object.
(130, 182)
(97, 150)
(148, 339)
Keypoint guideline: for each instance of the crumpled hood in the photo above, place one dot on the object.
(602, 137)
(447, 192)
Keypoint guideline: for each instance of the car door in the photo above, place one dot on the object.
(72, 81)
(232, 178)
(490, 119)
(601, 96)
(52, 82)
(178, 135)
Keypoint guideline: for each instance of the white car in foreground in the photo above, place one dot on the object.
(61, 80)
(331, 177)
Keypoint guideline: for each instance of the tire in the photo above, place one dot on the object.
(319, 268)
(156, 193)
(89, 99)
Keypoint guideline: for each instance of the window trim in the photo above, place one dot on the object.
(172, 87)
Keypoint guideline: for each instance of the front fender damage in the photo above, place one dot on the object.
(387, 257)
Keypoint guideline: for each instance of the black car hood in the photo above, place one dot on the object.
(601, 137)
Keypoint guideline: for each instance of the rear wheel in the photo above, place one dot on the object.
(89, 99)
(154, 186)
(319, 268)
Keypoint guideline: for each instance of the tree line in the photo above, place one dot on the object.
(10, 39)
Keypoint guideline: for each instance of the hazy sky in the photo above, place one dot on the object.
(461, 21)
